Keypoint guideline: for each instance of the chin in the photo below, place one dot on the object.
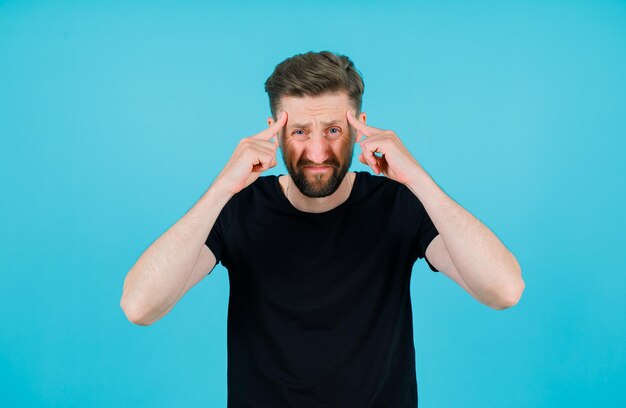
(318, 188)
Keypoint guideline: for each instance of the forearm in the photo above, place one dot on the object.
(483, 262)
(155, 281)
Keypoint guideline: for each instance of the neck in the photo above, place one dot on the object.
(321, 204)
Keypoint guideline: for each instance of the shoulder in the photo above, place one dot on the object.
(375, 188)
(261, 184)
(266, 182)
(373, 184)
(263, 188)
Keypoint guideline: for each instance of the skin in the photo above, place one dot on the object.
(318, 143)
(465, 249)
(179, 259)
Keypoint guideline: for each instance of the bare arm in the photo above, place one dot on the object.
(179, 258)
(175, 262)
(467, 251)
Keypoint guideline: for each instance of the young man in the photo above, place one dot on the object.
(320, 260)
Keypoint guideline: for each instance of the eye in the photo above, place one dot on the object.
(335, 128)
(295, 132)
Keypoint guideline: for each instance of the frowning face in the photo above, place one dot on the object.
(317, 142)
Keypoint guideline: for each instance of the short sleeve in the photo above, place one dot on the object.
(429, 233)
(422, 227)
(216, 241)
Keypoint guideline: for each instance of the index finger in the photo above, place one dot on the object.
(268, 133)
(360, 126)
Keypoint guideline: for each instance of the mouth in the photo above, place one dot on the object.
(316, 168)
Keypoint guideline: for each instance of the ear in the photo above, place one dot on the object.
(362, 117)
(270, 122)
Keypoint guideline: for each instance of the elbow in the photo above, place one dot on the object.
(131, 307)
(509, 296)
(133, 314)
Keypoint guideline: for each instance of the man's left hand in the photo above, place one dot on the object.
(395, 161)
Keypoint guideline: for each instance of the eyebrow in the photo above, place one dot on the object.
(307, 125)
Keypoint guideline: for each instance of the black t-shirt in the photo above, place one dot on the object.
(319, 313)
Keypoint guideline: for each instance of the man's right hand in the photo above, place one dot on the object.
(179, 258)
(253, 155)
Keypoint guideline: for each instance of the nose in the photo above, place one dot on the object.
(317, 148)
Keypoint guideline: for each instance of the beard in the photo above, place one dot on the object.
(318, 185)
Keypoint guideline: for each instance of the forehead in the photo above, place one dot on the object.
(325, 107)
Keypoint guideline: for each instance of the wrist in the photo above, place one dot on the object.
(218, 190)
(205, 211)
(219, 193)
(420, 182)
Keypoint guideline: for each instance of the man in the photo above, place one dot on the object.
(320, 260)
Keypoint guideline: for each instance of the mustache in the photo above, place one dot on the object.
(330, 162)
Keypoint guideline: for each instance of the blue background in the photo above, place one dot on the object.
(115, 118)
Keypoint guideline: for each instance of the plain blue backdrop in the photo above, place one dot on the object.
(115, 118)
